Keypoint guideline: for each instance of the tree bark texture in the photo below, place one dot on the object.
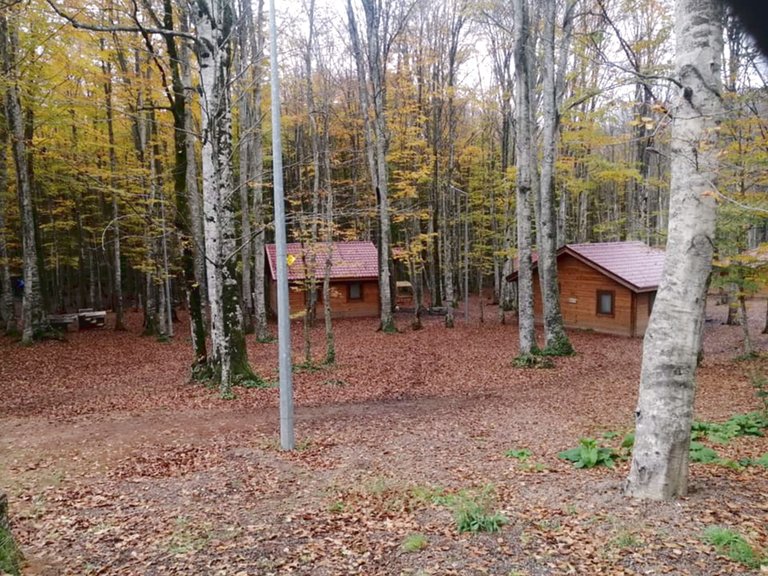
(556, 338)
(524, 179)
(34, 318)
(7, 307)
(667, 383)
(214, 27)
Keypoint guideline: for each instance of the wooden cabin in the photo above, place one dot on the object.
(607, 287)
(354, 278)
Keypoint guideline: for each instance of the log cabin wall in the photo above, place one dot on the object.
(579, 287)
(346, 300)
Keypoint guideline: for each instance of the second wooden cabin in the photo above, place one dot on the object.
(606, 287)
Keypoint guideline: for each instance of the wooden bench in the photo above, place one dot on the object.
(87, 319)
(62, 321)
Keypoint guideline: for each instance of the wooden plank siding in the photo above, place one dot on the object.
(342, 305)
(579, 287)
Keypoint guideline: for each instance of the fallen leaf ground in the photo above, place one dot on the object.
(115, 464)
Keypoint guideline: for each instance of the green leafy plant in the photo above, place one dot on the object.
(761, 461)
(733, 545)
(750, 424)
(588, 454)
(415, 542)
(560, 347)
(521, 454)
(704, 454)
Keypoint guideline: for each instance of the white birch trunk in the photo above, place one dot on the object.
(257, 166)
(524, 177)
(193, 190)
(118, 278)
(556, 338)
(245, 145)
(667, 382)
(373, 94)
(214, 27)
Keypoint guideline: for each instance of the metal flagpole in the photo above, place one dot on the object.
(287, 438)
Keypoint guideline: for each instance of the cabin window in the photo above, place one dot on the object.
(605, 302)
(651, 302)
(355, 291)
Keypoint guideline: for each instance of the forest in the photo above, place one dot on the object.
(172, 173)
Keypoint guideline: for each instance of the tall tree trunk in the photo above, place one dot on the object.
(556, 339)
(245, 146)
(373, 94)
(33, 313)
(667, 381)
(214, 27)
(748, 349)
(256, 164)
(118, 292)
(524, 176)
(7, 306)
(448, 199)
(189, 213)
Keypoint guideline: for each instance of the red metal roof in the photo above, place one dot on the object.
(352, 260)
(632, 264)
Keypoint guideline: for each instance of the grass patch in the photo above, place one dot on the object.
(734, 546)
(533, 361)
(473, 516)
(11, 557)
(472, 512)
(472, 509)
(747, 357)
(625, 540)
(415, 542)
(187, 538)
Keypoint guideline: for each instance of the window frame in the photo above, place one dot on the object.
(350, 298)
(598, 311)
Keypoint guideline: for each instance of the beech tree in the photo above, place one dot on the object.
(33, 314)
(7, 308)
(214, 23)
(371, 61)
(523, 51)
(557, 341)
(667, 382)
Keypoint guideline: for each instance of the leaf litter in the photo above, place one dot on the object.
(115, 463)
